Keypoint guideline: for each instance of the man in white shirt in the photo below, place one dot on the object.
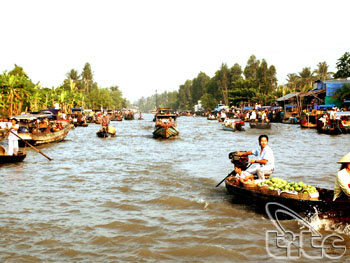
(13, 139)
(253, 115)
(266, 159)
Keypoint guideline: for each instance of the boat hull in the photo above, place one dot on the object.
(42, 137)
(259, 125)
(165, 132)
(12, 158)
(225, 128)
(338, 210)
(291, 120)
(305, 124)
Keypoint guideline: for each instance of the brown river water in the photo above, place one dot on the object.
(132, 198)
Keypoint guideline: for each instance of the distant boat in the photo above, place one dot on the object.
(166, 125)
(259, 124)
(233, 125)
(102, 133)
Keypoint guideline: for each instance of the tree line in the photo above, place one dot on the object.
(19, 94)
(255, 83)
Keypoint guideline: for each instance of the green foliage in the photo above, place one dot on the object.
(322, 72)
(164, 100)
(343, 93)
(18, 93)
(343, 66)
(208, 102)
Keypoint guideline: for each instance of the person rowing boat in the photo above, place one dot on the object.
(13, 139)
(265, 161)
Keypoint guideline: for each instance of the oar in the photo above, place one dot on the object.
(32, 146)
(224, 179)
(229, 176)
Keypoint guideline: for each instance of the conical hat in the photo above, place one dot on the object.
(345, 158)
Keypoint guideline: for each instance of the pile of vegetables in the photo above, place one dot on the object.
(283, 185)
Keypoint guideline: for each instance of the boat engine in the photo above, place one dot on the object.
(242, 160)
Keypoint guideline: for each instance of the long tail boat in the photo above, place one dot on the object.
(326, 208)
(30, 129)
(165, 126)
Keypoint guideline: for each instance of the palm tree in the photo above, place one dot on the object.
(293, 80)
(306, 80)
(322, 71)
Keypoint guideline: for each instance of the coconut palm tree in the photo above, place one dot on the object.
(293, 80)
(322, 71)
(306, 80)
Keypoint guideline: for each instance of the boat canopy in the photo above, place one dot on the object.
(32, 117)
(72, 110)
(264, 107)
(165, 116)
(247, 108)
(51, 111)
(342, 113)
(324, 106)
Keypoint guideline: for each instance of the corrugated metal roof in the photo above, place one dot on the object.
(288, 96)
(312, 92)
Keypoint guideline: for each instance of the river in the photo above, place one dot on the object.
(132, 198)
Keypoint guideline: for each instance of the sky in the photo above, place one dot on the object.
(144, 46)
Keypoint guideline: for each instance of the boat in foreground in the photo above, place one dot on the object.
(326, 208)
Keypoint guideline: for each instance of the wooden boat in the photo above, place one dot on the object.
(332, 127)
(291, 120)
(12, 158)
(340, 124)
(233, 125)
(211, 117)
(4, 158)
(338, 210)
(259, 125)
(308, 121)
(31, 132)
(81, 124)
(102, 133)
(129, 115)
(165, 126)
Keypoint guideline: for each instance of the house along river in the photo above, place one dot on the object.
(136, 199)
